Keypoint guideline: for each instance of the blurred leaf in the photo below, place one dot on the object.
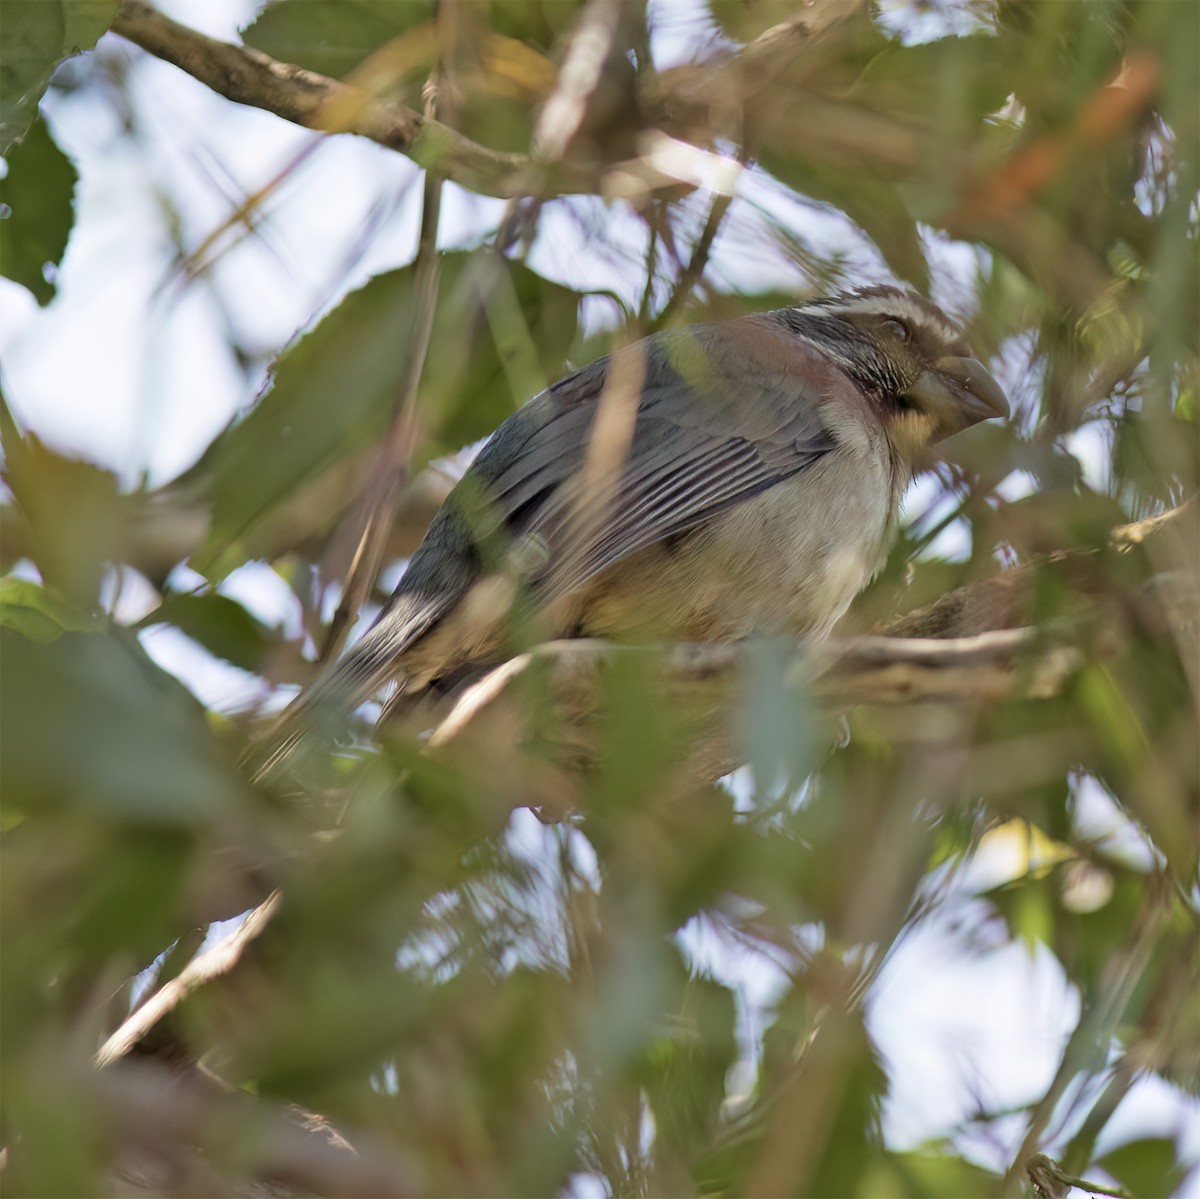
(218, 623)
(1186, 407)
(926, 1174)
(1032, 906)
(744, 20)
(1146, 1168)
(684, 1071)
(90, 721)
(643, 738)
(1157, 456)
(36, 210)
(826, 1082)
(500, 69)
(1028, 907)
(775, 720)
(38, 35)
(875, 205)
(499, 326)
(79, 888)
(537, 23)
(1058, 52)
(76, 516)
(332, 36)
(950, 85)
(38, 613)
(856, 1094)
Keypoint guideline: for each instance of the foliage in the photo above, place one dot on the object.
(483, 1003)
(38, 34)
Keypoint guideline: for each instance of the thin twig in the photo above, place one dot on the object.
(582, 70)
(1051, 1181)
(699, 259)
(1097, 1024)
(206, 254)
(395, 456)
(643, 312)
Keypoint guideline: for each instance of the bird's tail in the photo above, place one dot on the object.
(320, 713)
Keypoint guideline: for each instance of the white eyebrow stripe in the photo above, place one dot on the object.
(895, 304)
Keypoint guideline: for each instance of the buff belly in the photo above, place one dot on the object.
(769, 565)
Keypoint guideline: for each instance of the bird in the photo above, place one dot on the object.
(710, 482)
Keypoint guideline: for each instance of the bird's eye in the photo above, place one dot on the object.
(897, 328)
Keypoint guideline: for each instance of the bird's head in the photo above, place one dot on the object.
(908, 355)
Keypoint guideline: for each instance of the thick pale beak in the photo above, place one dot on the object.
(958, 393)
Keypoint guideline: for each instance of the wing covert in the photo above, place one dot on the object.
(715, 426)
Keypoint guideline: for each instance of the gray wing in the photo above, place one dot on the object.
(715, 425)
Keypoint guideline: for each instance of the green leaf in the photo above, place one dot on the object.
(643, 739)
(38, 35)
(775, 719)
(335, 36)
(500, 334)
(537, 23)
(948, 85)
(684, 1069)
(91, 722)
(218, 623)
(1186, 408)
(744, 20)
(38, 613)
(1029, 906)
(36, 210)
(332, 36)
(76, 516)
(925, 1174)
(1147, 1169)
(795, 1051)
(501, 49)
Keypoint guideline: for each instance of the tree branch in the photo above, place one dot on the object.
(210, 964)
(192, 1127)
(247, 76)
(491, 720)
(972, 645)
(692, 273)
(690, 103)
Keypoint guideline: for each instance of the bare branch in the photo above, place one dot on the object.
(189, 1124)
(972, 645)
(1175, 518)
(213, 963)
(491, 720)
(247, 76)
(1002, 601)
